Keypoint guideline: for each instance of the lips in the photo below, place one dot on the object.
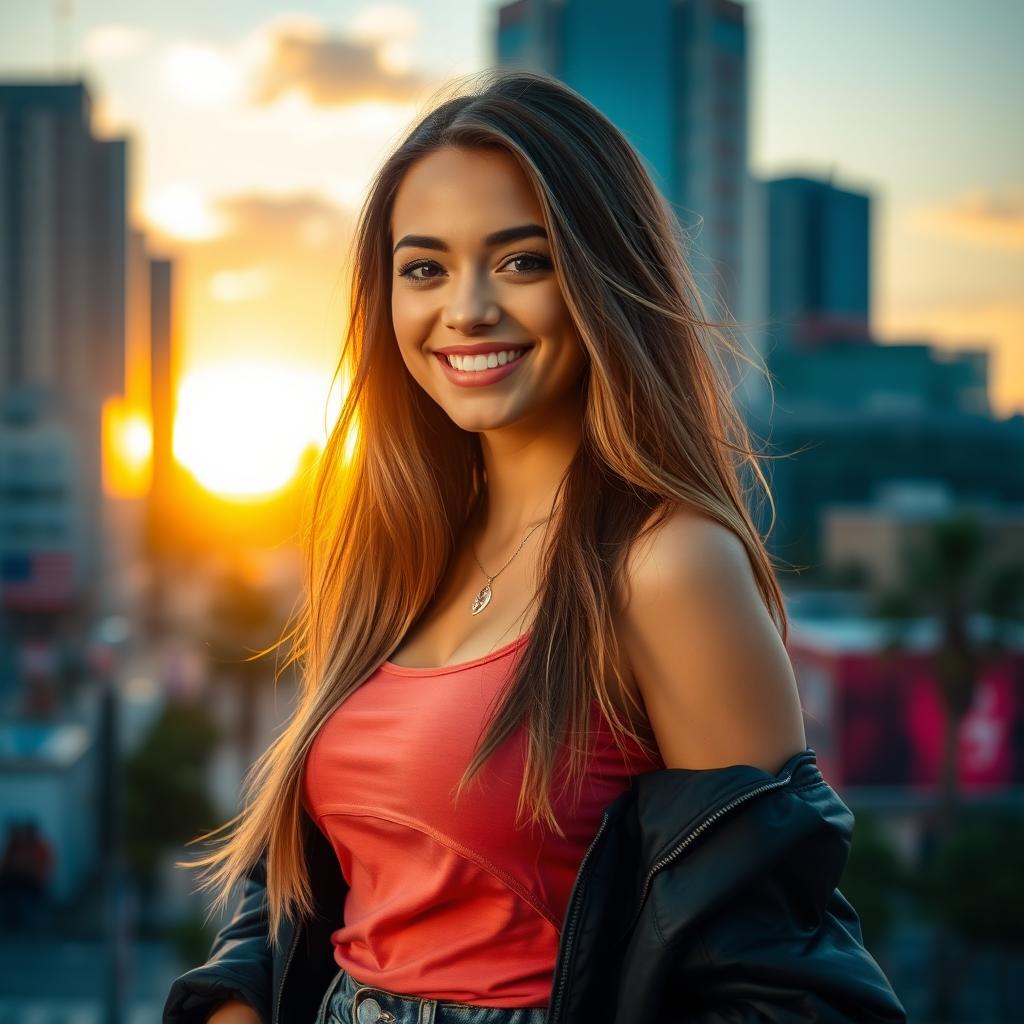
(483, 378)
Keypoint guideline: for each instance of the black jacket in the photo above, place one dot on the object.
(705, 896)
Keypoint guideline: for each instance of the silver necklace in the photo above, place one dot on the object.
(483, 597)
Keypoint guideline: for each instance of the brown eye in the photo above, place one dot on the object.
(408, 268)
(542, 262)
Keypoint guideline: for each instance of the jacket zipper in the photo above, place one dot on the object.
(576, 899)
(690, 836)
(574, 915)
(284, 974)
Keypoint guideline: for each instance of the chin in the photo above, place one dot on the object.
(478, 423)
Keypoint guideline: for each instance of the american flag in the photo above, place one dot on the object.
(36, 580)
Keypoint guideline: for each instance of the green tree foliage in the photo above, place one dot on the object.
(165, 800)
(975, 882)
(974, 885)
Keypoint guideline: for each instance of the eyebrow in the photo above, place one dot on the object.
(494, 238)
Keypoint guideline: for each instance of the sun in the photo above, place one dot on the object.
(241, 428)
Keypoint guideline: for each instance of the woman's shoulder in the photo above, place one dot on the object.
(703, 650)
(663, 537)
(680, 537)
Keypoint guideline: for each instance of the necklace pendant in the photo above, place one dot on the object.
(481, 600)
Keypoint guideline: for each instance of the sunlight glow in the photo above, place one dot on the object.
(127, 450)
(137, 439)
(242, 428)
(181, 212)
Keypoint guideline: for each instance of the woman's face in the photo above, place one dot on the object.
(455, 287)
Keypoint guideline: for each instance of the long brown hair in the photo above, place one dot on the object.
(398, 481)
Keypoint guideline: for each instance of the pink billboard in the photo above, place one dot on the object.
(879, 719)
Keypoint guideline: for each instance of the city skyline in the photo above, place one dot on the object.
(253, 135)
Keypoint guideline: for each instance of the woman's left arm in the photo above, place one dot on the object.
(709, 662)
(719, 689)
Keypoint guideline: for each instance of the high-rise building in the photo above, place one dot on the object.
(63, 253)
(818, 306)
(162, 513)
(63, 216)
(163, 380)
(819, 263)
(672, 76)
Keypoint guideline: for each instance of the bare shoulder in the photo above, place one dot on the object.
(703, 651)
(685, 539)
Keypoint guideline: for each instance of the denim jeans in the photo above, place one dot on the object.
(346, 1001)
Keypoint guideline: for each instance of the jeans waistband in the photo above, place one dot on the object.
(347, 1001)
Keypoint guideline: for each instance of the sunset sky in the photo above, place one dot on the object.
(256, 125)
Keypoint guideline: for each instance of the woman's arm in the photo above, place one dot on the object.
(774, 939)
(239, 968)
(708, 660)
(234, 1012)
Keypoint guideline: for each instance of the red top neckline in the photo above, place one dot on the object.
(435, 670)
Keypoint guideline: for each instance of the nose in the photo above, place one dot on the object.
(471, 306)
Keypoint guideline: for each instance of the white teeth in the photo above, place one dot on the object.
(484, 362)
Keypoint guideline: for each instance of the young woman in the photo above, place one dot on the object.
(548, 760)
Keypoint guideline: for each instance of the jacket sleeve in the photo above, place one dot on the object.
(239, 965)
(782, 944)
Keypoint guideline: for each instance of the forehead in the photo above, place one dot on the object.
(455, 192)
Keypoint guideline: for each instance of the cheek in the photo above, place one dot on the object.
(542, 310)
(405, 319)
(550, 319)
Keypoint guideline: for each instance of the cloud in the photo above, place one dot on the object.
(978, 217)
(385, 22)
(392, 29)
(308, 220)
(300, 55)
(179, 214)
(271, 284)
(201, 74)
(115, 41)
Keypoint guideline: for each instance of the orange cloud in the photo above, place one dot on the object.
(306, 220)
(328, 69)
(268, 286)
(978, 217)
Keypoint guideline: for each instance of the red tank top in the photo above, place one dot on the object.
(446, 901)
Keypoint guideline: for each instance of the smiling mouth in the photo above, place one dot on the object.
(466, 375)
(469, 363)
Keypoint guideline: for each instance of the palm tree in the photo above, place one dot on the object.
(951, 579)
